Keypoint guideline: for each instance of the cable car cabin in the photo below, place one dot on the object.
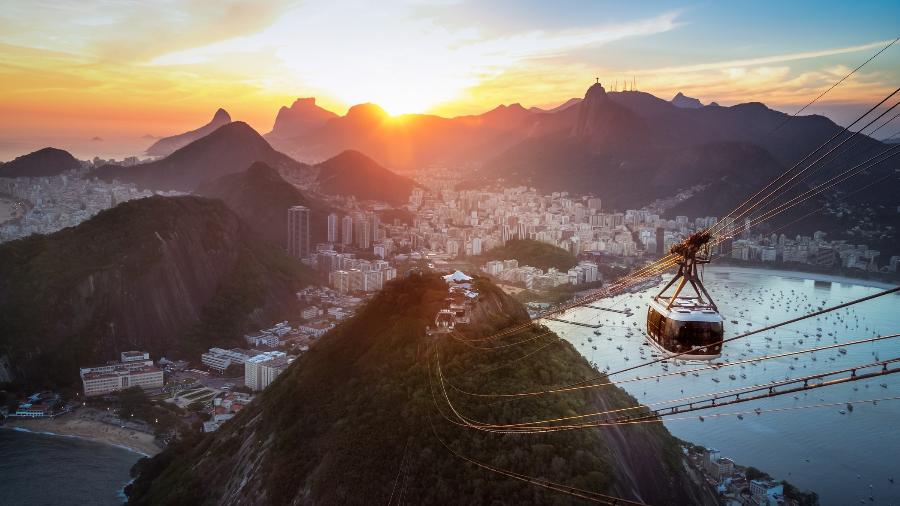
(689, 326)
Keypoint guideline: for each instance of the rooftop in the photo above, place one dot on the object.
(119, 371)
(687, 308)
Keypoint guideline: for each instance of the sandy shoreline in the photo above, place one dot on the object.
(802, 275)
(72, 425)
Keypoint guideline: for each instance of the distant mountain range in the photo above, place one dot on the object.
(40, 163)
(233, 148)
(630, 148)
(230, 148)
(588, 145)
(168, 145)
(170, 275)
(411, 140)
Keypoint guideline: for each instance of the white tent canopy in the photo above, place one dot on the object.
(457, 277)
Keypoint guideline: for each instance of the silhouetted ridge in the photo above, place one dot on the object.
(40, 163)
(261, 197)
(353, 173)
(231, 148)
(366, 112)
(301, 117)
(685, 102)
(168, 145)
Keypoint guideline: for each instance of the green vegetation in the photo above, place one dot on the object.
(529, 252)
(260, 272)
(807, 498)
(756, 474)
(162, 416)
(557, 294)
(336, 426)
(137, 274)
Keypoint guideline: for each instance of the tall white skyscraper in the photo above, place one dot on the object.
(363, 232)
(298, 231)
(347, 230)
(332, 227)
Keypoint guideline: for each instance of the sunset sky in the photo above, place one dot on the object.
(72, 71)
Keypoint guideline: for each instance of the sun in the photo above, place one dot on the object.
(396, 104)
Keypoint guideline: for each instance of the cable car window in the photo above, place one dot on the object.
(695, 333)
(655, 322)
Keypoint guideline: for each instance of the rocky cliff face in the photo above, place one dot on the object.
(364, 406)
(603, 123)
(166, 275)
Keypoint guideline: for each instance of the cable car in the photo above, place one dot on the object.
(687, 325)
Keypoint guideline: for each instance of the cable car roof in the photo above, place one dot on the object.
(686, 309)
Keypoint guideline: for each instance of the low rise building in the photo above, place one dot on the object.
(316, 328)
(766, 492)
(225, 408)
(220, 359)
(39, 405)
(310, 313)
(721, 469)
(134, 370)
(260, 371)
(101, 383)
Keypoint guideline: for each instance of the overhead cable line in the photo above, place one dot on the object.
(833, 86)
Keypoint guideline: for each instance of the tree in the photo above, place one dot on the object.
(756, 474)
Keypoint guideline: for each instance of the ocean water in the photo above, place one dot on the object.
(847, 458)
(40, 469)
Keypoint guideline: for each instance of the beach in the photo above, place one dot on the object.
(82, 424)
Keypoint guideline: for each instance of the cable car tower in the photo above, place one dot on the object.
(693, 252)
(685, 325)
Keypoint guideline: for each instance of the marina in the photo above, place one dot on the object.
(837, 451)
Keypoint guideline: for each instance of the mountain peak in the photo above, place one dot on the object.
(512, 107)
(221, 116)
(40, 163)
(600, 118)
(596, 91)
(685, 102)
(237, 128)
(230, 148)
(367, 111)
(351, 157)
(302, 117)
(351, 172)
(303, 102)
(169, 145)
